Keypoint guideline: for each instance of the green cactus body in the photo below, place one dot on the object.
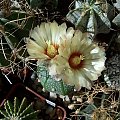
(89, 16)
(50, 84)
(18, 111)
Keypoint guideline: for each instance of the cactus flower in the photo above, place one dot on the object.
(44, 40)
(80, 61)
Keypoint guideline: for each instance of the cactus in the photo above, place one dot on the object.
(18, 111)
(90, 16)
(12, 21)
(49, 83)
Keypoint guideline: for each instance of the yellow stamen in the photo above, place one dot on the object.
(77, 59)
(51, 51)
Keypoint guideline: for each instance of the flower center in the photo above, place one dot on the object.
(51, 51)
(76, 60)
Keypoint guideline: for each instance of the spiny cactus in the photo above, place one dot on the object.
(18, 111)
(90, 15)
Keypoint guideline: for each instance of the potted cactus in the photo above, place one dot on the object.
(30, 106)
(18, 111)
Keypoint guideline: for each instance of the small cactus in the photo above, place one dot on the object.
(18, 111)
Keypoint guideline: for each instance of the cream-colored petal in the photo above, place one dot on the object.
(41, 40)
(94, 56)
(33, 46)
(48, 31)
(77, 36)
(60, 60)
(34, 50)
(77, 84)
(96, 68)
(81, 46)
(66, 52)
(78, 80)
(43, 32)
(94, 61)
(84, 45)
(90, 68)
(75, 41)
(59, 68)
(94, 52)
(83, 82)
(64, 42)
(100, 65)
(90, 75)
(70, 79)
(62, 30)
(54, 32)
(34, 35)
(89, 48)
(78, 45)
(40, 57)
(70, 32)
(39, 34)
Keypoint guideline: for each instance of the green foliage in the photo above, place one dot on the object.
(18, 111)
(49, 83)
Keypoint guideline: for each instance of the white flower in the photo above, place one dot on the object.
(44, 40)
(80, 61)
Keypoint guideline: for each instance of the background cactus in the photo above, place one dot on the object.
(91, 16)
(18, 111)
